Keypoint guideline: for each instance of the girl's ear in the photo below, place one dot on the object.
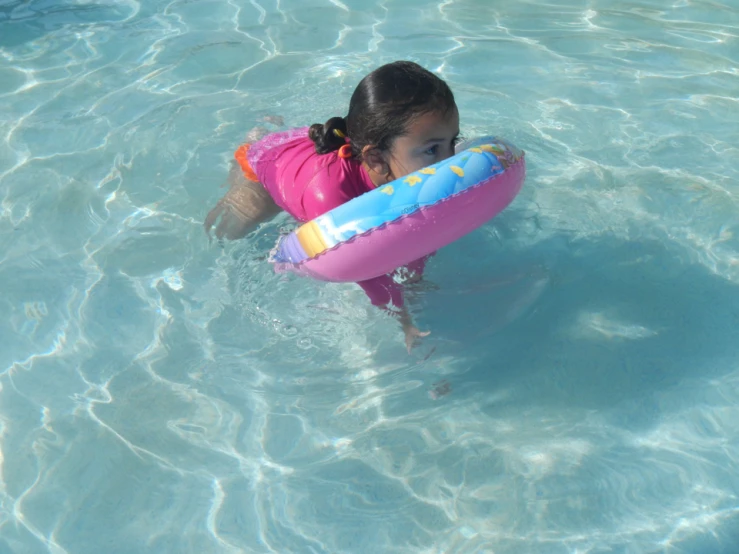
(377, 166)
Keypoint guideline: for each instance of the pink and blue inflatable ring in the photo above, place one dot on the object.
(406, 219)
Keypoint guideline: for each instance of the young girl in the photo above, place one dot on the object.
(401, 118)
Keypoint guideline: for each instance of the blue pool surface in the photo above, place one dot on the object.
(161, 393)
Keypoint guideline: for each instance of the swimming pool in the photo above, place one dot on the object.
(579, 391)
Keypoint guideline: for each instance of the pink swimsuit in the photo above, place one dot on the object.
(306, 185)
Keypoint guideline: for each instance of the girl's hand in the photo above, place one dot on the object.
(411, 334)
(411, 331)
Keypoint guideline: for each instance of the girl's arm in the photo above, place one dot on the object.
(409, 329)
(382, 291)
(385, 293)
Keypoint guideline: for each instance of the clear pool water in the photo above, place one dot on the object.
(580, 389)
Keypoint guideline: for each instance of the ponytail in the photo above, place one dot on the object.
(329, 136)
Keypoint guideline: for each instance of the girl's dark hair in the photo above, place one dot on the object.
(382, 106)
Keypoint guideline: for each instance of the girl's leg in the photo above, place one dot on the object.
(245, 205)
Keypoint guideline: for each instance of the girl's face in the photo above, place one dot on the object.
(430, 138)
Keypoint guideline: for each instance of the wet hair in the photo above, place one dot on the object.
(381, 108)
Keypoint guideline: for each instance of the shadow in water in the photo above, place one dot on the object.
(595, 322)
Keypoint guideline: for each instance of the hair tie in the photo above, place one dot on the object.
(345, 152)
(339, 133)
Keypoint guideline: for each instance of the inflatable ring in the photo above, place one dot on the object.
(406, 219)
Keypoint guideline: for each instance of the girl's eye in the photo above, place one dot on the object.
(432, 151)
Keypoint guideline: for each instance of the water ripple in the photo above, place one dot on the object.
(162, 394)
